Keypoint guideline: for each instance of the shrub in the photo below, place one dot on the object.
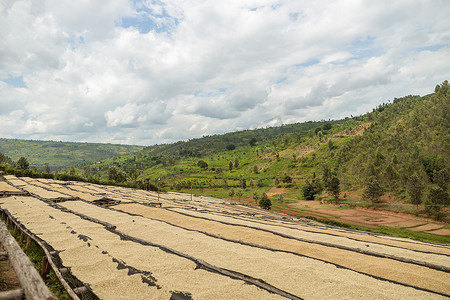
(265, 202)
(231, 147)
(309, 191)
(202, 164)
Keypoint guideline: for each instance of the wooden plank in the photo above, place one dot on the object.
(12, 295)
(32, 283)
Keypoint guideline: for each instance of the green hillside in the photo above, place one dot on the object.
(399, 139)
(61, 154)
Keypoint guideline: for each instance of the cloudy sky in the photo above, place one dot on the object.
(148, 72)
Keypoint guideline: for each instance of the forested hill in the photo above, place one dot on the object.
(60, 154)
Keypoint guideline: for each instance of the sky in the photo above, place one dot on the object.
(153, 72)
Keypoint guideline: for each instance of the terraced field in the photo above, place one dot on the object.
(132, 244)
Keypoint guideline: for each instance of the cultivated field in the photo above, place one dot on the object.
(132, 244)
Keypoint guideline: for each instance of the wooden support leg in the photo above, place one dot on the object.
(22, 235)
(45, 268)
(28, 243)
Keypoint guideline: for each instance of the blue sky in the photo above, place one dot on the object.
(147, 72)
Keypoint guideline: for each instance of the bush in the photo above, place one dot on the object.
(265, 202)
(287, 179)
(231, 147)
(309, 191)
(202, 164)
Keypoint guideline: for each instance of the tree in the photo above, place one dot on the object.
(255, 169)
(72, 170)
(415, 188)
(373, 190)
(133, 174)
(326, 175)
(436, 197)
(318, 129)
(309, 191)
(202, 164)
(255, 197)
(253, 142)
(116, 175)
(317, 186)
(87, 171)
(287, 179)
(236, 162)
(5, 159)
(239, 194)
(23, 163)
(265, 202)
(327, 126)
(112, 173)
(243, 183)
(333, 188)
(230, 165)
(231, 147)
(330, 145)
(438, 194)
(47, 168)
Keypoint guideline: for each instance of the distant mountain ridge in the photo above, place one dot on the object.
(61, 154)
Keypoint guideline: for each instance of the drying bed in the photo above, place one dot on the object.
(211, 248)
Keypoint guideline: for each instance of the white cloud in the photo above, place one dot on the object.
(152, 72)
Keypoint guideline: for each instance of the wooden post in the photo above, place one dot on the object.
(28, 243)
(44, 268)
(16, 229)
(22, 235)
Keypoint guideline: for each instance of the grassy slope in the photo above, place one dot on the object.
(61, 154)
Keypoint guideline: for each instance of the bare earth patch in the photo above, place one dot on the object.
(373, 218)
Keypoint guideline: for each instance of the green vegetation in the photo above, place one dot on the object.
(58, 155)
(265, 202)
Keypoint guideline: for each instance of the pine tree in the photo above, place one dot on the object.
(334, 189)
(23, 163)
(415, 188)
(373, 190)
